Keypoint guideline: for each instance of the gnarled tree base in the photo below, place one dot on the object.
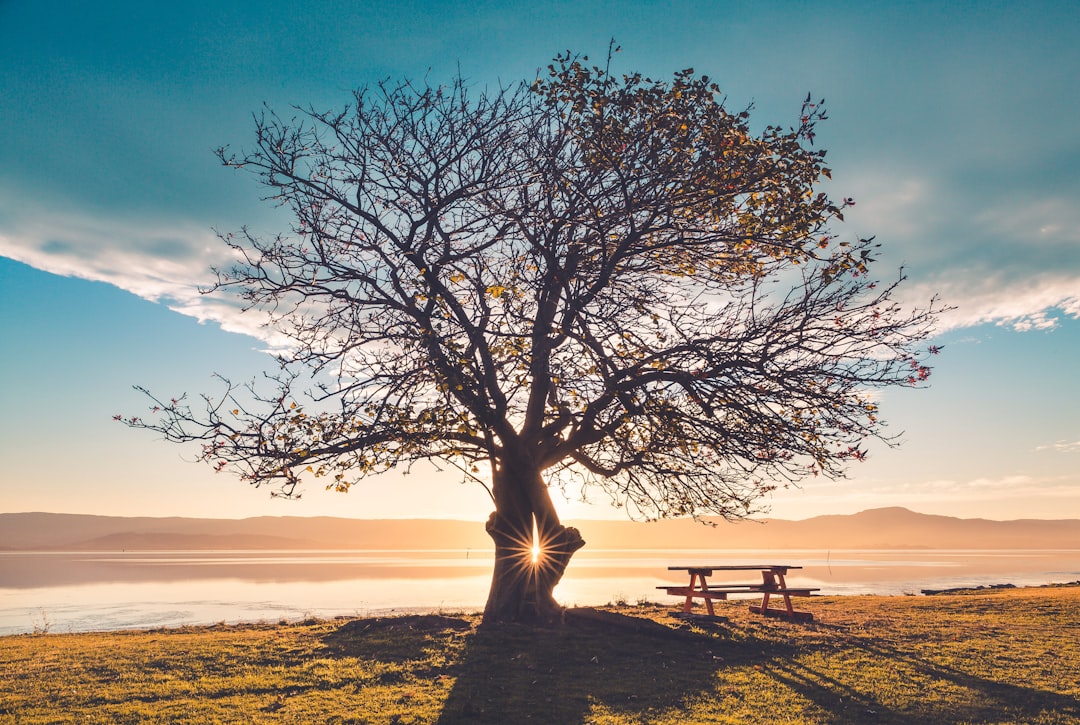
(524, 576)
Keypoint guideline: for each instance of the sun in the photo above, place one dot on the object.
(532, 552)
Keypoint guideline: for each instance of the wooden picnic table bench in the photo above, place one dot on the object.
(772, 583)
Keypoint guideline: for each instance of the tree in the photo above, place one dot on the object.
(604, 283)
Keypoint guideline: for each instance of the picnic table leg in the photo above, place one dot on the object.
(787, 597)
(768, 581)
(688, 605)
(708, 600)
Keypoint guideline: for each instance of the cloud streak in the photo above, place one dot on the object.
(1061, 447)
(997, 257)
(167, 261)
(1037, 302)
(161, 261)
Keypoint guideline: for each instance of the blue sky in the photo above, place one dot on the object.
(954, 126)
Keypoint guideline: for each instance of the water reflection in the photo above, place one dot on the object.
(81, 591)
(46, 569)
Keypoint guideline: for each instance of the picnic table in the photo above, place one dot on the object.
(772, 583)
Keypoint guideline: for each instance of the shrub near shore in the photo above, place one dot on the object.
(982, 657)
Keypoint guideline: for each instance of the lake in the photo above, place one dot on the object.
(89, 591)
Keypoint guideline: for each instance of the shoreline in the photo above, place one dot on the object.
(46, 629)
(112, 592)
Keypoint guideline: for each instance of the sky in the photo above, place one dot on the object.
(953, 126)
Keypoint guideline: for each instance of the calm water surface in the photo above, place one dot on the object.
(88, 591)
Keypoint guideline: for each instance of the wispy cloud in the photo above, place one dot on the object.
(157, 264)
(1000, 257)
(1037, 302)
(1061, 447)
(162, 261)
(1016, 265)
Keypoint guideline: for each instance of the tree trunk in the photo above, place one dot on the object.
(522, 584)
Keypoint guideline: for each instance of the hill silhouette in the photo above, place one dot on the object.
(884, 528)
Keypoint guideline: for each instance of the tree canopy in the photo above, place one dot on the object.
(607, 283)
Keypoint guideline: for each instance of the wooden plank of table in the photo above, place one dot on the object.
(735, 567)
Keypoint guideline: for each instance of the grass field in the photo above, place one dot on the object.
(1008, 656)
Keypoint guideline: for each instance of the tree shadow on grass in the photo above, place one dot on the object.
(602, 660)
(513, 674)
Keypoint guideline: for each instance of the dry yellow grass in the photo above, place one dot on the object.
(988, 657)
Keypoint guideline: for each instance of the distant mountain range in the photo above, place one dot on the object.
(885, 528)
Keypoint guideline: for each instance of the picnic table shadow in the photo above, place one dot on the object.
(597, 659)
(990, 700)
